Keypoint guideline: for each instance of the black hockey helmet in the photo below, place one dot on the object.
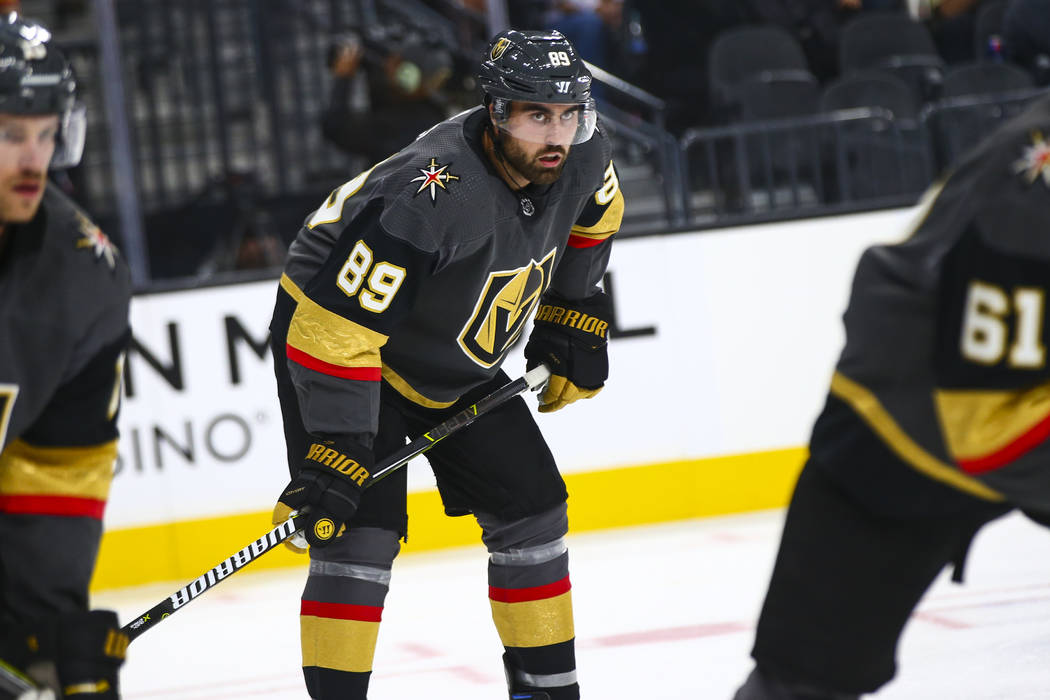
(36, 79)
(539, 67)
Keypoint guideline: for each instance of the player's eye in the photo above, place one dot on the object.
(12, 135)
(539, 117)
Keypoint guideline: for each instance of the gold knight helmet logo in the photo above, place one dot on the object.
(505, 304)
(499, 48)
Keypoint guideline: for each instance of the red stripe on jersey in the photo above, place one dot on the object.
(584, 242)
(70, 506)
(367, 374)
(1000, 458)
(522, 595)
(341, 611)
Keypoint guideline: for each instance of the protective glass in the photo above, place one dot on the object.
(548, 124)
(71, 142)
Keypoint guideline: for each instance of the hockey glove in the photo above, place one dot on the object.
(571, 338)
(91, 649)
(327, 489)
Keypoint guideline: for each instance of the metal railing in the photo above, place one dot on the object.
(802, 166)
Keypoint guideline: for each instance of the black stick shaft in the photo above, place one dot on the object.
(533, 379)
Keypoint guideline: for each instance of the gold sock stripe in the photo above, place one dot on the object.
(534, 623)
(340, 645)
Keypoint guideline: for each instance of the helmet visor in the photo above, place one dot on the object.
(547, 124)
(71, 138)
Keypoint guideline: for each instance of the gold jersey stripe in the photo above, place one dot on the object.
(534, 623)
(608, 224)
(83, 472)
(980, 423)
(405, 389)
(879, 419)
(341, 645)
(329, 337)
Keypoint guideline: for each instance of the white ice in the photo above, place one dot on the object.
(663, 612)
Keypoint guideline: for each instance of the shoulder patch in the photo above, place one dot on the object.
(1035, 161)
(91, 237)
(434, 177)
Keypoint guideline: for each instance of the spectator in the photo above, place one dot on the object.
(404, 94)
(1026, 36)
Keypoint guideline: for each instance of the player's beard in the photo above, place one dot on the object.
(527, 164)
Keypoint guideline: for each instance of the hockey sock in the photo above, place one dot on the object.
(531, 600)
(342, 606)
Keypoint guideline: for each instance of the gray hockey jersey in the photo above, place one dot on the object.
(423, 270)
(947, 333)
(64, 298)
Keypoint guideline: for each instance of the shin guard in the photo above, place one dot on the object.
(342, 606)
(531, 600)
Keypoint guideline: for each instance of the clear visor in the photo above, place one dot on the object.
(71, 142)
(548, 124)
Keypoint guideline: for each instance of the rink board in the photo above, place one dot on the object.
(726, 342)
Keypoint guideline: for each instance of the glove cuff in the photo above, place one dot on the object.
(341, 457)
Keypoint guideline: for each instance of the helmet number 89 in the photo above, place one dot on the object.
(559, 58)
(382, 280)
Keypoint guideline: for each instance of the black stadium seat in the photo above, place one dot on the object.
(767, 53)
(895, 42)
(884, 155)
(982, 78)
(873, 88)
(988, 28)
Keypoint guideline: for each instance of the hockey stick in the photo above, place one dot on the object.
(13, 681)
(533, 380)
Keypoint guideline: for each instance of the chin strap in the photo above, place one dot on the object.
(501, 156)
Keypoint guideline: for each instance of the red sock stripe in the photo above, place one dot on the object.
(70, 506)
(522, 595)
(341, 611)
(1035, 436)
(368, 374)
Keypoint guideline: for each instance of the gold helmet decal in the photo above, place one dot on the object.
(499, 48)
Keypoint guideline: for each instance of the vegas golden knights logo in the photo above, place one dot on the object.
(504, 306)
(499, 48)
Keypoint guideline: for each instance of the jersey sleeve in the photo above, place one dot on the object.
(992, 375)
(590, 240)
(342, 319)
(63, 463)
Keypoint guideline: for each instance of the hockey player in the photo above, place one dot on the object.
(937, 423)
(64, 296)
(400, 299)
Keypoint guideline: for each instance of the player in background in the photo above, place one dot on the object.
(400, 299)
(937, 423)
(64, 297)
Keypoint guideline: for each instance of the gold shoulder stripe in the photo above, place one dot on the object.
(327, 336)
(608, 224)
(402, 387)
(979, 423)
(868, 407)
(82, 472)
